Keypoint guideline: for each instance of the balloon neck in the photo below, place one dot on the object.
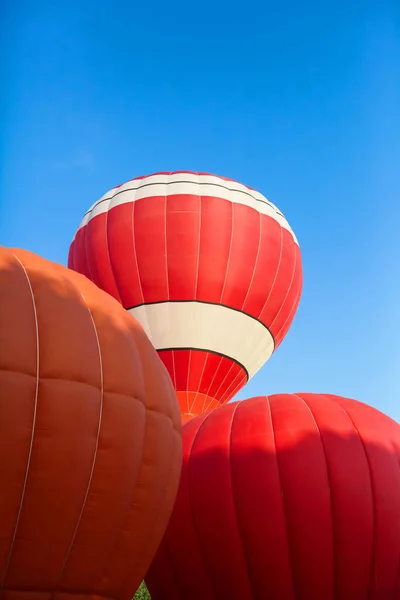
(193, 404)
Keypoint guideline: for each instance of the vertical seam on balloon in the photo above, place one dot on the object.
(36, 402)
(255, 263)
(288, 320)
(189, 408)
(285, 510)
(236, 386)
(245, 561)
(226, 393)
(200, 381)
(96, 445)
(373, 499)
(134, 484)
(223, 381)
(207, 393)
(187, 381)
(198, 247)
(241, 383)
(328, 474)
(228, 262)
(136, 191)
(287, 293)
(108, 251)
(166, 268)
(134, 246)
(191, 504)
(223, 287)
(166, 274)
(215, 373)
(275, 277)
(166, 245)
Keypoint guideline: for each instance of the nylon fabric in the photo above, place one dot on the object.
(90, 445)
(292, 496)
(180, 237)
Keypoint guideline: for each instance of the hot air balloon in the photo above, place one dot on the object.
(209, 267)
(90, 443)
(291, 497)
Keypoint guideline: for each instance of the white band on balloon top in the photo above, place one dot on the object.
(209, 327)
(185, 184)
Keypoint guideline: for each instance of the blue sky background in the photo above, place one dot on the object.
(297, 99)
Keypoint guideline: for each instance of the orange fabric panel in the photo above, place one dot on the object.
(90, 437)
(197, 402)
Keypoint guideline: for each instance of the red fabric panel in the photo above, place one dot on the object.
(352, 523)
(237, 379)
(198, 365)
(214, 489)
(266, 266)
(123, 257)
(98, 258)
(243, 253)
(288, 306)
(150, 240)
(190, 573)
(212, 378)
(281, 283)
(265, 540)
(183, 238)
(381, 444)
(196, 403)
(181, 367)
(183, 247)
(289, 497)
(215, 242)
(305, 489)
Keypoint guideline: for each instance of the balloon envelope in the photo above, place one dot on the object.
(90, 446)
(210, 267)
(291, 497)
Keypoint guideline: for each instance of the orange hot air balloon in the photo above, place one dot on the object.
(90, 443)
(208, 266)
(291, 497)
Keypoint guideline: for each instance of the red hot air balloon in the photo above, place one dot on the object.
(209, 267)
(291, 497)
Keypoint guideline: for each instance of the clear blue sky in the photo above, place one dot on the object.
(297, 99)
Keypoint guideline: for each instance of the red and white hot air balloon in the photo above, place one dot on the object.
(209, 267)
